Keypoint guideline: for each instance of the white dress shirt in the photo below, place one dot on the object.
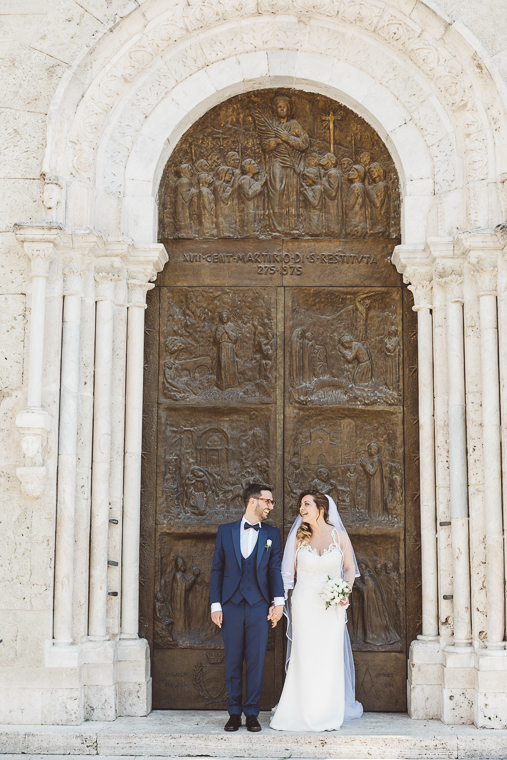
(248, 542)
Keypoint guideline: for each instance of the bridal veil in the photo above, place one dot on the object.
(353, 709)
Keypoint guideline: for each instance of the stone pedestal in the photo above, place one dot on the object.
(490, 690)
(134, 680)
(424, 686)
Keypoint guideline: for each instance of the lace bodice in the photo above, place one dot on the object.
(313, 569)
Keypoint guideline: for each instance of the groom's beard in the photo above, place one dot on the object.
(260, 513)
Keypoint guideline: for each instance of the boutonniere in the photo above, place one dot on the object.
(268, 545)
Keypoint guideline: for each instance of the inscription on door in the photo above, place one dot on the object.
(281, 348)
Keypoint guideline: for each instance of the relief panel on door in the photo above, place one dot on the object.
(219, 345)
(206, 458)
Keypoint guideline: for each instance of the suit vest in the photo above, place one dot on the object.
(248, 588)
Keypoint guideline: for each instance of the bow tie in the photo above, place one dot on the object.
(255, 527)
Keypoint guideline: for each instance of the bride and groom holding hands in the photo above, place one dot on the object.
(252, 586)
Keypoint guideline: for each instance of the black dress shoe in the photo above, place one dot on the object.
(252, 724)
(233, 723)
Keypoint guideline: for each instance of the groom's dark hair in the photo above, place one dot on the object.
(254, 491)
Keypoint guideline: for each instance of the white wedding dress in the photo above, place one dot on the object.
(313, 696)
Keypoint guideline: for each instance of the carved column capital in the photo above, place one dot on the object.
(40, 243)
(486, 280)
(40, 255)
(137, 290)
(105, 285)
(419, 282)
(453, 284)
(423, 295)
(73, 281)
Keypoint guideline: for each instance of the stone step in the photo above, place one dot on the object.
(188, 734)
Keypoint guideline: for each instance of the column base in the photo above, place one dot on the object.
(424, 686)
(134, 680)
(458, 684)
(100, 680)
(490, 704)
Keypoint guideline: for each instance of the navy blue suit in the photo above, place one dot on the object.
(245, 587)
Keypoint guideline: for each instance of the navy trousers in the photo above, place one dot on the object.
(245, 635)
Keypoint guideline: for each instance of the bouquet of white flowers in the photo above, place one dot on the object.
(335, 589)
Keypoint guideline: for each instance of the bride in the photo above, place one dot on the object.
(319, 690)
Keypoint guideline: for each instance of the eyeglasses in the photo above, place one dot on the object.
(268, 501)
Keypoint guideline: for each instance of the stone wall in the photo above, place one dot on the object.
(87, 123)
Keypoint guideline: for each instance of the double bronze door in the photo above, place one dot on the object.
(299, 387)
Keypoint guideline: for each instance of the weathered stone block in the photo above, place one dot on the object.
(100, 702)
(62, 707)
(457, 706)
(23, 142)
(134, 699)
(425, 673)
(458, 678)
(21, 200)
(424, 701)
(490, 711)
(65, 31)
(22, 706)
(29, 80)
(12, 337)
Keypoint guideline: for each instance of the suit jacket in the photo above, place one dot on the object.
(226, 567)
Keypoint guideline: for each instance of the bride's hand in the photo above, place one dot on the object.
(344, 602)
(275, 613)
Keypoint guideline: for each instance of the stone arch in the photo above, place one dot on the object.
(412, 157)
(436, 80)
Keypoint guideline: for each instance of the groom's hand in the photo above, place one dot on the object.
(217, 618)
(275, 613)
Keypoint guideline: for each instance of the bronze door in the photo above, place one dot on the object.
(281, 346)
(351, 432)
(219, 421)
(301, 387)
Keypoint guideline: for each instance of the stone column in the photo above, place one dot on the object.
(487, 288)
(101, 455)
(67, 457)
(422, 290)
(137, 290)
(34, 422)
(458, 461)
(134, 680)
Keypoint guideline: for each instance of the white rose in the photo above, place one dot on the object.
(269, 542)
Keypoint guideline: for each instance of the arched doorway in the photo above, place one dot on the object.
(281, 347)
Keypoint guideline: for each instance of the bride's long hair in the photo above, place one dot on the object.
(304, 534)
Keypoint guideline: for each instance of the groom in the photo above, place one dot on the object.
(246, 591)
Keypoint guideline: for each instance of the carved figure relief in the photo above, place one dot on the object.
(279, 163)
(392, 352)
(331, 458)
(372, 624)
(208, 458)
(373, 468)
(226, 337)
(350, 354)
(180, 602)
(219, 344)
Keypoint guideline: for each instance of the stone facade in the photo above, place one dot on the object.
(95, 96)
